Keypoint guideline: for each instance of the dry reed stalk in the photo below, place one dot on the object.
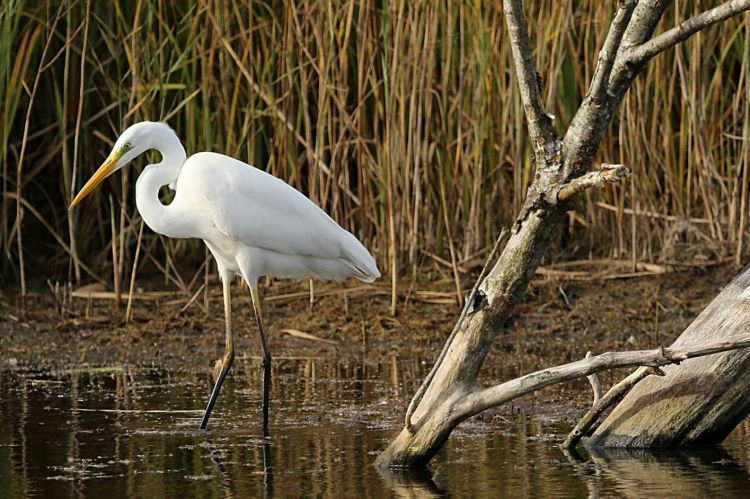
(129, 310)
(76, 137)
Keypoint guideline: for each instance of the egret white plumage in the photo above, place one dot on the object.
(253, 223)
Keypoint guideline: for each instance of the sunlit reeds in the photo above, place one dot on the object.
(400, 118)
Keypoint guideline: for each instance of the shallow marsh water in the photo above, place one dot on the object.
(124, 431)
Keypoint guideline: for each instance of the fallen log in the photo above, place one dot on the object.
(699, 402)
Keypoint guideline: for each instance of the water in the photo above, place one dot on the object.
(122, 431)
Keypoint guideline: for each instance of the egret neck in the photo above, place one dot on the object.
(159, 217)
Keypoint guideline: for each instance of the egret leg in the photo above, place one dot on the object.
(228, 358)
(266, 357)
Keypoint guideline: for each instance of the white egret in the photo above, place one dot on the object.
(253, 223)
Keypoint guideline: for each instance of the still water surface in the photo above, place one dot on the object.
(124, 431)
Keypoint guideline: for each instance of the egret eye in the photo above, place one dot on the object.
(126, 147)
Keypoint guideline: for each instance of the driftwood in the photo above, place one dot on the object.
(562, 163)
(477, 400)
(696, 403)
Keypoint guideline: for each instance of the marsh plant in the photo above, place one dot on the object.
(399, 118)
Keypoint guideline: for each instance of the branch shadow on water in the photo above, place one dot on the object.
(679, 472)
(406, 482)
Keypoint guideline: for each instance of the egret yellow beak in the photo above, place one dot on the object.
(104, 171)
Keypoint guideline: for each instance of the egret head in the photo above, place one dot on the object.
(133, 142)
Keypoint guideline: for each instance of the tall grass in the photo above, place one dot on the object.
(400, 118)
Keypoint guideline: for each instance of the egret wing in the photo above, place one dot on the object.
(258, 209)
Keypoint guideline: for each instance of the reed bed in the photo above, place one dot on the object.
(400, 118)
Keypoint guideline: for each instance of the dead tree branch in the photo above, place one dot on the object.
(449, 395)
(596, 385)
(540, 123)
(642, 53)
(613, 396)
(607, 55)
(609, 174)
(481, 400)
(468, 306)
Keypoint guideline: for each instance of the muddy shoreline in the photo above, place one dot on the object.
(558, 322)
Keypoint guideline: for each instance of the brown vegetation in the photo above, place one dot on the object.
(402, 121)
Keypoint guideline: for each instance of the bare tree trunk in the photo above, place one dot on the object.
(560, 167)
(699, 402)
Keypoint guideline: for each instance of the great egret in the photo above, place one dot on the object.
(253, 223)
